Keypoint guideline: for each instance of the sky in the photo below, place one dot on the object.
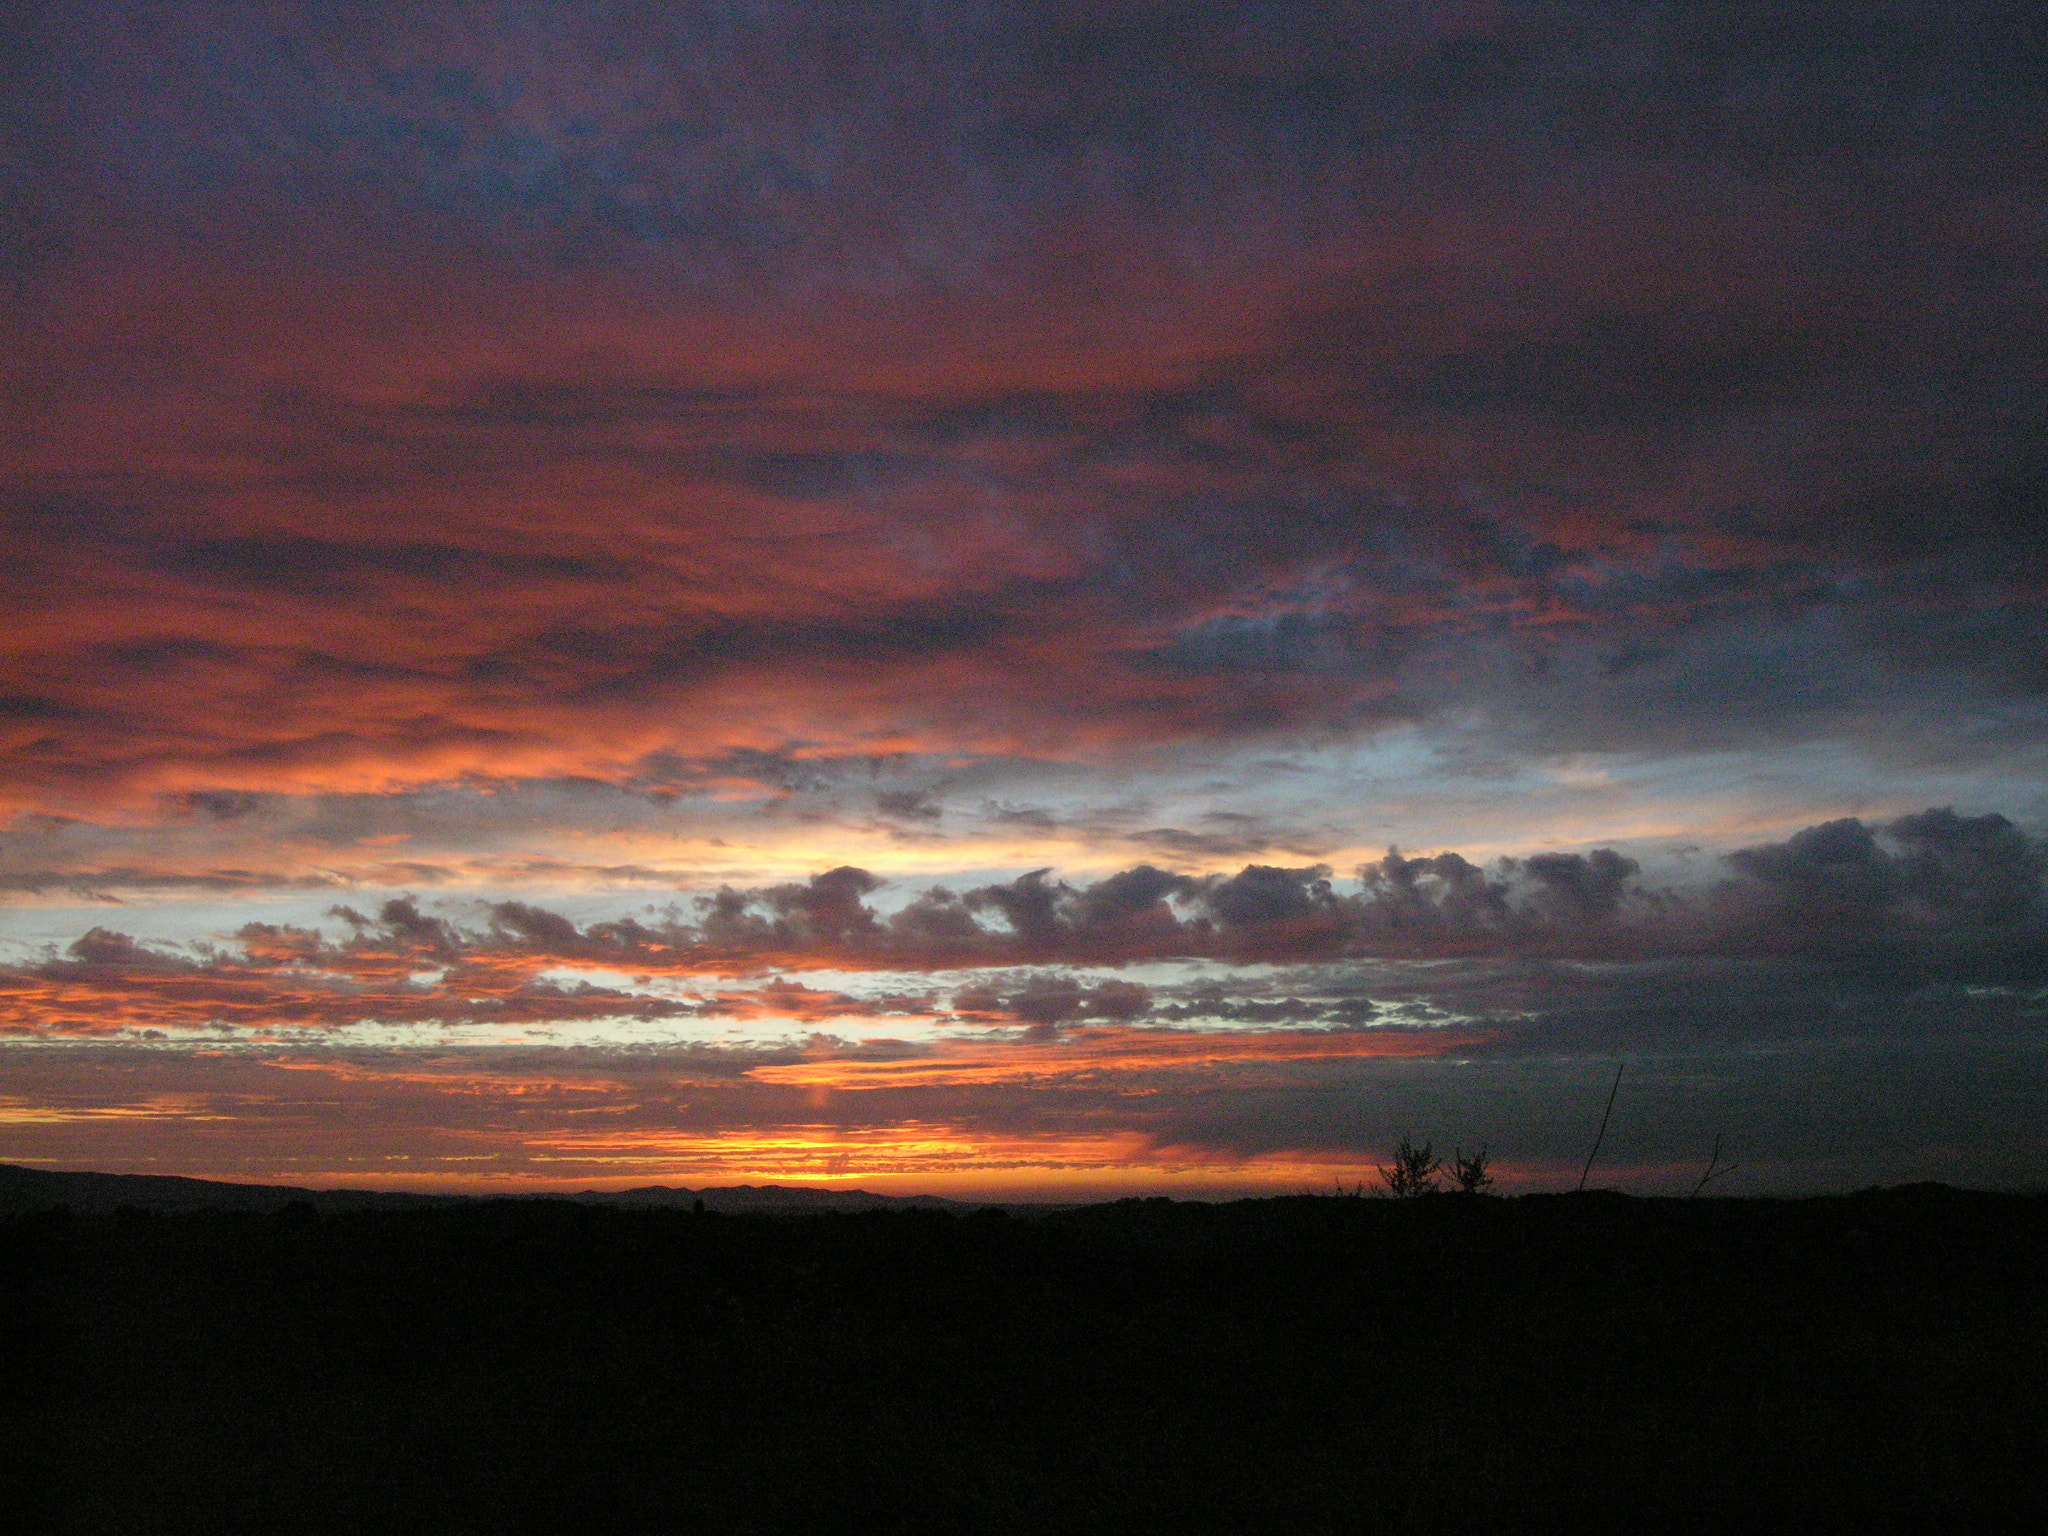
(1029, 601)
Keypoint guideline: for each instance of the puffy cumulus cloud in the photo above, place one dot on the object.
(828, 909)
(1591, 885)
(1444, 890)
(1834, 870)
(1981, 867)
(99, 950)
(1931, 872)
(405, 929)
(1936, 894)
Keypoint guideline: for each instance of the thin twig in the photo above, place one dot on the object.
(1602, 1136)
(1714, 1169)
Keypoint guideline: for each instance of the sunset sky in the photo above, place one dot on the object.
(1033, 600)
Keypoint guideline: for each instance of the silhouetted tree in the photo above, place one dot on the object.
(1469, 1173)
(1414, 1171)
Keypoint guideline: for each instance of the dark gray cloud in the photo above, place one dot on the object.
(828, 909)
(1591, 884)
(1261, 894)
(912, 805)
(102, 948)
(400, 922)
(223, 804)
(1941, 871)
(1047, 1001)
(625, 134)
(1934, 886)
(1937, 894)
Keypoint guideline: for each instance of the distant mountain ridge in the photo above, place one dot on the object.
(30, 1189)
(768, 1197)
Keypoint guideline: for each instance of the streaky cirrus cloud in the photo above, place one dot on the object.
(804, 436)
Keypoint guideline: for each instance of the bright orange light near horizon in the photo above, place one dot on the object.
(937, 1158)
(1101, 1055)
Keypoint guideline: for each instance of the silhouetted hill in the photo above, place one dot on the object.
(31, 1189)
(1868, 1362)
(766, 1199)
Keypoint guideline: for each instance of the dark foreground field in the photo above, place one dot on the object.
(1873, 1362)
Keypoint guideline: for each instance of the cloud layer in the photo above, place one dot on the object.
(1849, 1002)
(1353, 368)
(992, 519)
